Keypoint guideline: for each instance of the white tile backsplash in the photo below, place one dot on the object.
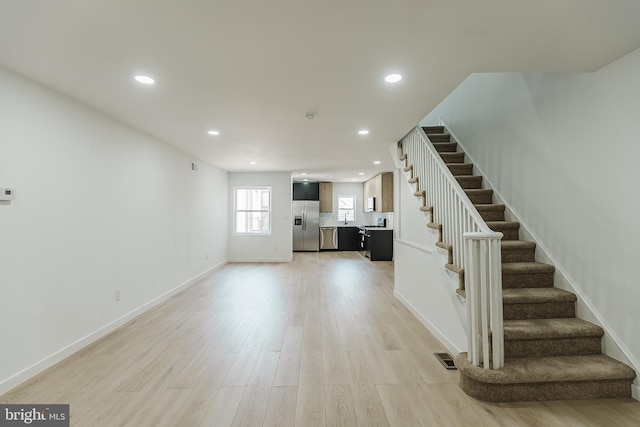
(362, 218)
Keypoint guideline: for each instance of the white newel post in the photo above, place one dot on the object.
(483, 287)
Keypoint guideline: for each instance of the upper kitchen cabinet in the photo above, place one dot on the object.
(326, 197)
(380, 187)
(306, 191)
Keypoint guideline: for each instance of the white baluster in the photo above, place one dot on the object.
(476, 248)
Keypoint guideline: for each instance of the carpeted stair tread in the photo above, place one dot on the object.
(518, 251)
(517, 244)
(439, 137)
(489, 207)
(527, 268)
(478, 190)
(546, 337)
(527, 275)
(479, 195)
(460, 168)
(491, 212)
(502, 225)
(510, 229)
(537, 303)
(536, 296)
(535, 329)
(457, 270)
(469, 181)
(445, 246)
(449, 248)
(433, 129)
(445, 147)
(457, 157)
(528, 370)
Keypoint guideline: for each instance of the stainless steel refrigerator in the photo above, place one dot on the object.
(306, 225)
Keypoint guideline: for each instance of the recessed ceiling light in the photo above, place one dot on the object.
(393, 78)
(252, 163)
(361, 173)
(303, 174)
(377, 162)
(363, 132)
(145, 80)
(213, 132)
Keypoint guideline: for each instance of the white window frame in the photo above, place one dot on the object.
(236, 211)
(347, 196)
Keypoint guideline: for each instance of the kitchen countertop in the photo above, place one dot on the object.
(356, 226)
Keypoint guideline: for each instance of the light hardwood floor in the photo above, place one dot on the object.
(320, 341)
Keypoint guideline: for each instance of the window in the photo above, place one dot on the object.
(253, 210)
(346, 208)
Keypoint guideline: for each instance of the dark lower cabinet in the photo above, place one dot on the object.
(348, 239)
(379, 245)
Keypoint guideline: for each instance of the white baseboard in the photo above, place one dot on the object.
(249, 260)
(434, 331)
(38, 367)
(635, 392)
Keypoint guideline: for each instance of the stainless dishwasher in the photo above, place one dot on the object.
(328, 238)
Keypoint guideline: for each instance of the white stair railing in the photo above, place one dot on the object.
(475, 247)
(483, 288)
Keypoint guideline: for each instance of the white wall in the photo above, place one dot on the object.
(562, 150)
(278, 246)
(99, 207)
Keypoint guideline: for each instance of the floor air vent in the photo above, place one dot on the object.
(446, 360)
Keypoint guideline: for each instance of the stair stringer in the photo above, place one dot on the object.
(396, 154)
(611, 344)
(432, 298)
(442, 247)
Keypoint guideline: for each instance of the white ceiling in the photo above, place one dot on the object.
(252, 68)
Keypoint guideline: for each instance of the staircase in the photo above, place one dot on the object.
(549, 353)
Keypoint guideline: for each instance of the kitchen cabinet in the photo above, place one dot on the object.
(380, 187)
(306, 191)
(348, 239)
(371, 191)
(378, 244)
(326, 197)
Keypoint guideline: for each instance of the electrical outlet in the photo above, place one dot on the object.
(7, 194)
(117, 295)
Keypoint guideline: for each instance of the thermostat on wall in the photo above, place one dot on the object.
(6, 194)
